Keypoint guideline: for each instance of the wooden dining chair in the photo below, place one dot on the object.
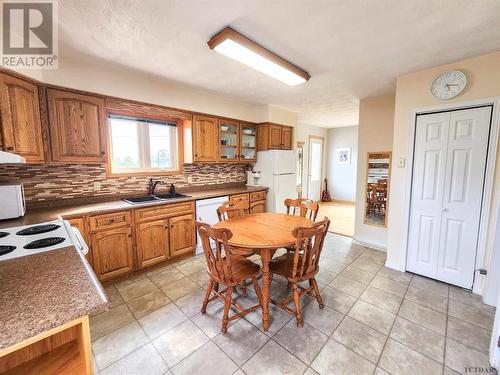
(230, 210)
(300, 265)
(225, 268)
(302, 206)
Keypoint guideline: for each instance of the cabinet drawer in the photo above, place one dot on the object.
(108, 221)
(257, 196)
(167, 210)
(239, 197)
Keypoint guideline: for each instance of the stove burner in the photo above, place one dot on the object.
(44, 242)
(37, 229)
(3, 234)
(5, 249)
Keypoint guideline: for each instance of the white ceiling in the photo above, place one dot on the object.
(352, 48)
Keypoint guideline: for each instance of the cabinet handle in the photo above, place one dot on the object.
(103, 153)
(196, 155)
(10, 148)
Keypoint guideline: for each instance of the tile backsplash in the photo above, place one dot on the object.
(48, 182)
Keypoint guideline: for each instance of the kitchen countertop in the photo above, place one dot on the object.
(70, 210)
(46, 290)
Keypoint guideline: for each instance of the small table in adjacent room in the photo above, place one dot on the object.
(263, 234)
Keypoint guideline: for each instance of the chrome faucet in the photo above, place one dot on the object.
(153, 184)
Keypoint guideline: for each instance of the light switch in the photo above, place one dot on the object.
(190, 179)
(401, 162)
(97, 185)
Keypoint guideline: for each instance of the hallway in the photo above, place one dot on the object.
(341, 215)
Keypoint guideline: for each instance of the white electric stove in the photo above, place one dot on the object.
(32, 239)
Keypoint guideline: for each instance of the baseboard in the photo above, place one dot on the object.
(395, 266)
(370, 245)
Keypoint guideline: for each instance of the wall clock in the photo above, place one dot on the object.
(449, 84)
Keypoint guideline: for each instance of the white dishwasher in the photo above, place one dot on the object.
(206, 211)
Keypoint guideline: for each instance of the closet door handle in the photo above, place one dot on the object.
(445, 209)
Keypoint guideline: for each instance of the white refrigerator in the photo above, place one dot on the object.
(277, 172)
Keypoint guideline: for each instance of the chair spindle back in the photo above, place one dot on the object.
(217, 251)
(230, 210)
(308, 247)
(302, 206)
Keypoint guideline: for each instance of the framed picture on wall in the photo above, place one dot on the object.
(344, 156)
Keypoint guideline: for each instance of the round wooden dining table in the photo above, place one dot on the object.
(263, 234)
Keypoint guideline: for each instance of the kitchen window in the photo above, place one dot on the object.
(142, 146)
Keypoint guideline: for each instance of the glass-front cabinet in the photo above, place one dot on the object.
(237, 141)
(248, 142)
(229, 135)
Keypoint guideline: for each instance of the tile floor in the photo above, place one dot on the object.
(376, 321)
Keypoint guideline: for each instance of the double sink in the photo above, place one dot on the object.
(154, 198)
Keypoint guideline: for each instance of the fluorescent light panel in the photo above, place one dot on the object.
(236, 46)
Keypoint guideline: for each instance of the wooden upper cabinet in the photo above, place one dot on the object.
(152, 242)
(205, 139)
(238, 141)
(274, 137)
(229, 138)
(287, 138)
(182, 234)
(248, 142)
(77, 127)
(21, 123)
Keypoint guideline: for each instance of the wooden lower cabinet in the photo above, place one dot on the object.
(257, 206)
(152, 241)
(182, 234)
(112, 252)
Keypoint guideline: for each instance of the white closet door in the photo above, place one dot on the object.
(429, 166)
(447, 187)
(465, 166)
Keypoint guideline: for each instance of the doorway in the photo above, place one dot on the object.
(449, 168)
(315, 173)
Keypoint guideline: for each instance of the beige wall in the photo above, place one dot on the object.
(375, 131)
(412, 92)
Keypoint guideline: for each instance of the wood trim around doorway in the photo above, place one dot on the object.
(311, 137)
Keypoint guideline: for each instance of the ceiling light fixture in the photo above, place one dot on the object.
(238, 47)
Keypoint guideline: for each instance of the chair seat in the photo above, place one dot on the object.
(242, 269)
(283, 265)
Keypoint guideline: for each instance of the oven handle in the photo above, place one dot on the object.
(82, 245)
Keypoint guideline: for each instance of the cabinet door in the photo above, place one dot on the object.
(182, 233)
(77, 127)
(275, 136)
(112, 252)
(205, 139)
(257, 206)
(248, 142)
(229, 135)
(152, 242)
(21, 124)
(287, 136)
